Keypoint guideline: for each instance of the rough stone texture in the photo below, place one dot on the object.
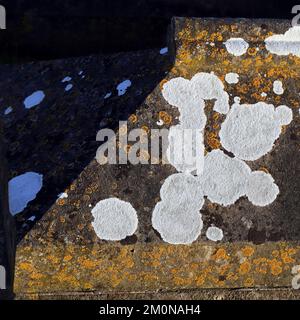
(185, 294)
(61, 252)
(280, 220)
(115, 267)
(58, 137)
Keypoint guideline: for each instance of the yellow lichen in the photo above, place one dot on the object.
(133, 118)
(249, 282)
(68, 258)
(244, 268)
(248, 251)
(252, 51)
(275, 266)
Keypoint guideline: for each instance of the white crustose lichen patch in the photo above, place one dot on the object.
(176, 217)
(285, 44)
(261, 189)
(249, 131)
(232, 78)
(226, 179)
(236, 46)
(114, 219)
(214, 234)
(277, 87)
(188, 96)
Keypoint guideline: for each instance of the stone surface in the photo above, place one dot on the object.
(61, 252)
(184, 294)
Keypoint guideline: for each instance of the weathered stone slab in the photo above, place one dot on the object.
(181, 294)
(148, 267)
(62, 253)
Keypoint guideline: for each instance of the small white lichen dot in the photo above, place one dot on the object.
(277, 87)
(214, 234)
(232, 78)
(236, 46)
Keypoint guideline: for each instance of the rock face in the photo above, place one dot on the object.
(59, 249)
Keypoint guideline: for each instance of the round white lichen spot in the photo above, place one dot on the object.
(22, 190)
(236, 46)
(176, 217)
(263, 94)
(249, 131)
(224, 179)
(277, 87)
(34, 99)
(114, 219)
(284, 115)
(123, 86)
(232, 78)
(214, 234)
(261, 189)
(179, 224)
(284, 44)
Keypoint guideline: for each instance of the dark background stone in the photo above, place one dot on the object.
(7, 229)
(47, 29)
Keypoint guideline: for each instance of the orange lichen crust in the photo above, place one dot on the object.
(145, 267)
